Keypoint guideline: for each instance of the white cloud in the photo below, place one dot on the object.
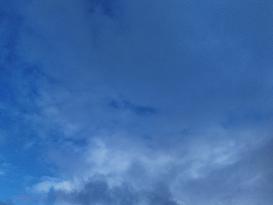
(53, 184)
(119, 160)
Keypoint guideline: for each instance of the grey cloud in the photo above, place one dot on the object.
(98, 191)
(197, 170)
(245, 182)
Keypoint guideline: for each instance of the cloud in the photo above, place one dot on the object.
(120, 169)
(99, 192)
(147, 102)
(52, 184)
(108, 178)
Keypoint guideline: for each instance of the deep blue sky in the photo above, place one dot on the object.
(136, 102)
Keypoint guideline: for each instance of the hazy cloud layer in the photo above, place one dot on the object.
(136, 102)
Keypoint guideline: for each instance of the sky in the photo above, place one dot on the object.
(147, 102)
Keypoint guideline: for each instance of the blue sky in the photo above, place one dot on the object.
(146, 102)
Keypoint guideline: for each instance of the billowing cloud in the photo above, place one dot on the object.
(120, 170)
